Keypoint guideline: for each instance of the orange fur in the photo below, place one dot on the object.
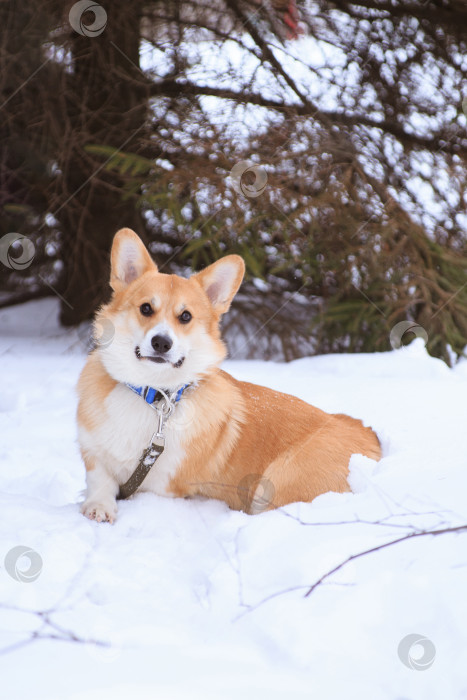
(248, 445)
(94, 385)
(300, 449)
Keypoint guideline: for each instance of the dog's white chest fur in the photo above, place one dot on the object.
(124, 434)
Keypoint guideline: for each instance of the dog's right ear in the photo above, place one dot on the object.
(129, 259)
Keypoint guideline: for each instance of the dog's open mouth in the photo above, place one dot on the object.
(158, 359)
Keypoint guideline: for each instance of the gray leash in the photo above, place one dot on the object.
(151, 454)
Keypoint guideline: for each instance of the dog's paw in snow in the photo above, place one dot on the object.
(99, 512)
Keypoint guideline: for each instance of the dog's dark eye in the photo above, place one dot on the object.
(146, 309)
(185, 317)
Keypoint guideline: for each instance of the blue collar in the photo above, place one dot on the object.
(151, 395)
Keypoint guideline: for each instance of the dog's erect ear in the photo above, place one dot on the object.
(221, 281)
(129, 259)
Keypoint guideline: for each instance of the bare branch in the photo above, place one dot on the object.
(406, 538)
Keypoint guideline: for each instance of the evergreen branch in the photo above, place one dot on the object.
(174, 88)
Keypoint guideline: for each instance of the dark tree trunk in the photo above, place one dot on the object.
(106, 104)
(24, 71)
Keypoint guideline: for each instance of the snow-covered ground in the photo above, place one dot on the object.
(187, 599)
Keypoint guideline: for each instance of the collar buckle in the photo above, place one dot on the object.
(153, 396)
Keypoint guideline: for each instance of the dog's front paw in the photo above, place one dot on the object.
(102, 513)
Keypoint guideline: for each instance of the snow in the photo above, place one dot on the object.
(187, 599)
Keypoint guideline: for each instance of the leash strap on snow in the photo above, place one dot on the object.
(149, 457)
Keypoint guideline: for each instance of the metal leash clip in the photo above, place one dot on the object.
(164, 410)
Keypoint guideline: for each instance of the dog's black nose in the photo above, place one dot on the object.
(161, 343)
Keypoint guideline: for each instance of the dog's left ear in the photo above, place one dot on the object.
(129, 259)
(221, 281)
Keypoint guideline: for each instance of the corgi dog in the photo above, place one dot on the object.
(156, 413)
